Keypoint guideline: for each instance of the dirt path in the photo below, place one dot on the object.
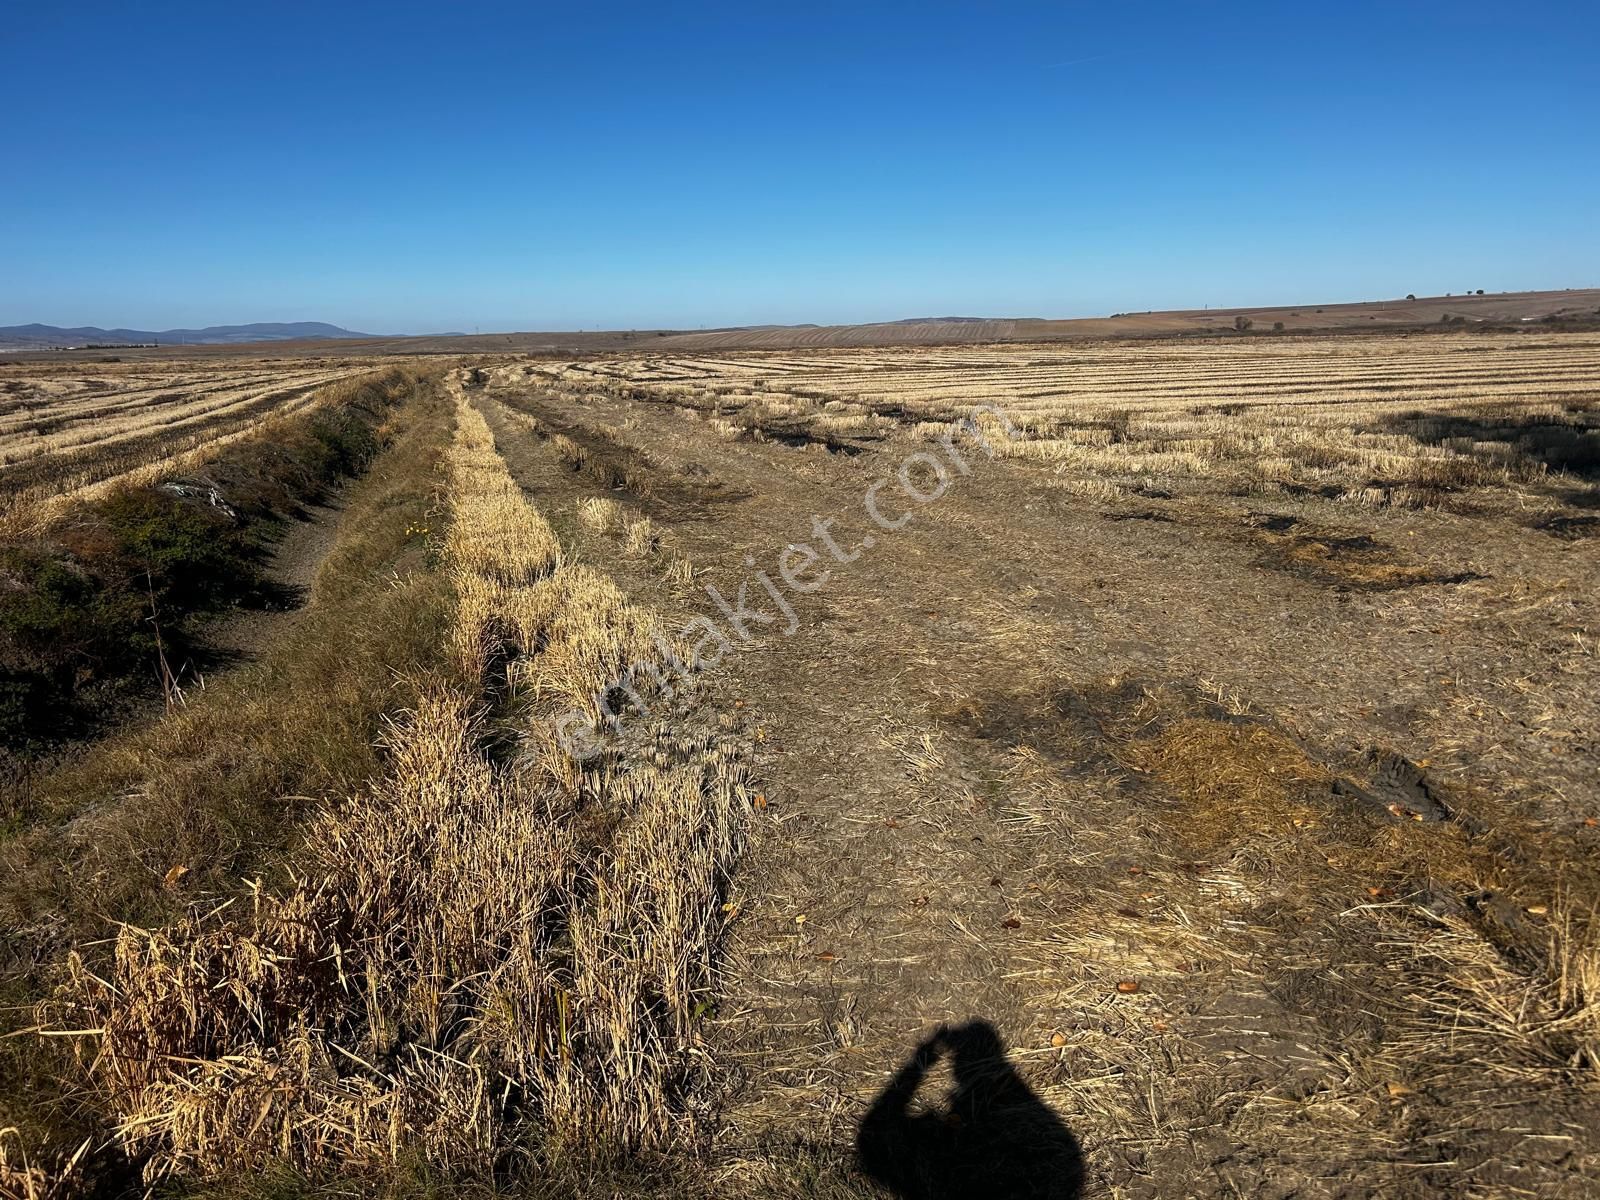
(292, 571)
(958, 822)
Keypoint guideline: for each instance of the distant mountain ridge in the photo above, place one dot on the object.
(46, 337)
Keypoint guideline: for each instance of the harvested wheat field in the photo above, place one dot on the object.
(684, 770)
(71, 429)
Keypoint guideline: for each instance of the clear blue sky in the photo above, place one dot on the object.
(408, 167)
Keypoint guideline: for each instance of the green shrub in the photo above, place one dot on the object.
(85, 606)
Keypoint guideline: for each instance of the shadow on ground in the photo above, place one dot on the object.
(991, 1136)
(1571, 444)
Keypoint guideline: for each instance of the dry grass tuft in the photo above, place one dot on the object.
(1574, 979)
(642, 538)
(24, 1178)
(600, 513)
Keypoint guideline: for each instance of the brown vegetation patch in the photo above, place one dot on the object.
(1225, 782)
(69, 438)
(1332, 950)
(1338, 557)
(1569, 528)
(1235, 780)
(1146, 514)
(799, 437)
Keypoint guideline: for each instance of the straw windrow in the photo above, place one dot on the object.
(472, 948)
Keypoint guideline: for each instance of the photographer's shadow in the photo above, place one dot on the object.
(993, 1137)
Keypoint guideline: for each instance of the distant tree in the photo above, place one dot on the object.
(1480, 291)
(1411, 295)
(1277, 327)
(1242, 323)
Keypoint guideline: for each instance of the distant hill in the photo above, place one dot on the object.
(45, 337)
(1571, 308)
